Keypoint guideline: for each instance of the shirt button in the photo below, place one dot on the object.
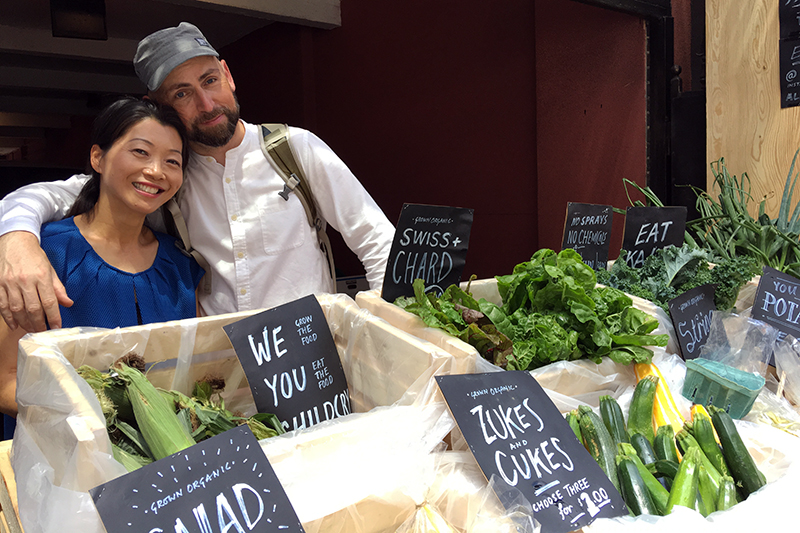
(227, 180)
(243, 291)
(240, 254)
(233, 217)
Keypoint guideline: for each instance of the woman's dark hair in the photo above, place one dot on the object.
(111, 124)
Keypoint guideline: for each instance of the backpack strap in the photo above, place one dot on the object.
(278, 151)
(173, 214)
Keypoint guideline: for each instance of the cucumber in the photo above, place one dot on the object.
(611, 413)
(598, 442)
(684, 486)
(633, 488)
(727, 494)
(572, 420)
(664, 444)
(640, 414)
(643, 448)
(742, 467)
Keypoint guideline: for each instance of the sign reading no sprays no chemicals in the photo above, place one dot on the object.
(224, 483)
(291, 363)
(430, 243)
(587, 228)
(516, 433)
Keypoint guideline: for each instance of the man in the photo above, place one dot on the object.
(260, 247)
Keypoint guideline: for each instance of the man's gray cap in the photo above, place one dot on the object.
(162, 51)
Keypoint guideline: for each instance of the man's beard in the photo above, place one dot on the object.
(215, 136)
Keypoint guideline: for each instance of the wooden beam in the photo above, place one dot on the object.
(318, 13)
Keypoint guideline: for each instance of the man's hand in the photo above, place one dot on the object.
(30, 291)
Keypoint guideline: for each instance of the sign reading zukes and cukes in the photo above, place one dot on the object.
(222, 484)
(587, 228)
(691, 316)
(516, 433)
(291, 363)
(648, 229)
(430, 243)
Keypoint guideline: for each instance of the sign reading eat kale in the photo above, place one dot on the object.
(648, 229)
(516, 433)
(587, 229)
(224, 483)
(291, 363)
(430, 243)
(691, 317)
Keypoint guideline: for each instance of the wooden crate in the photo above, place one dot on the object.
(66, 427)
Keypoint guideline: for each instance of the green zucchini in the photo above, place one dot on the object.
(658, 493)
(572, 420)
(664, 468)
(664, 444)
(727, 494)
(742, 467)
(703, 432)
(633, 489)
(643, 448)
(640, 414)
(686, 442)
(684, 486)
(706, 490)
(598, 442)
(611, 413)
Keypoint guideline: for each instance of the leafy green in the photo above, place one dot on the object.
(552, 310)
(671, 271)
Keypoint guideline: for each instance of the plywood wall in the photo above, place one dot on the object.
(745, 122)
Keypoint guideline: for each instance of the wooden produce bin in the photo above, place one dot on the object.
(61, 449)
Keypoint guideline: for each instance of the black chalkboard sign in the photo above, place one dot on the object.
(516, 433)
(777, 302)
(789, 63)
(648, 229)
(789, 17)
(587, 230)
(691, 317)
(292, 364)
(430, 243)
(224, 483)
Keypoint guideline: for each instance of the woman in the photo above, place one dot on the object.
(117, 271)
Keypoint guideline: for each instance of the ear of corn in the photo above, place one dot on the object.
(665, 410)
(155, 417)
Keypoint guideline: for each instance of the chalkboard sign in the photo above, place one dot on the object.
(292, 364)
(789, 17)
(789, 63)
(691, 316)
(516, 433)
(224, 483)
(587, 229)
(648, 229)
(430, 243)
(777, 302)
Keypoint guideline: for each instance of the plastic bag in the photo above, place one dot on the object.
(739, 342)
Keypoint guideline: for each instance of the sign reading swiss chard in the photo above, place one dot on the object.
(292, 364)
(430, 243)
(691, 316)
(587, 229)
(516, 433)
(224, 483)
(648, 229)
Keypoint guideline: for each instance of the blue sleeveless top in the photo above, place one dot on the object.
(107, 297)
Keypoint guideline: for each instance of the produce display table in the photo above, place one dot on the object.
(9, 512)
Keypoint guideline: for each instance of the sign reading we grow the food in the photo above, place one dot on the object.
(517, 434)
(292, 364)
